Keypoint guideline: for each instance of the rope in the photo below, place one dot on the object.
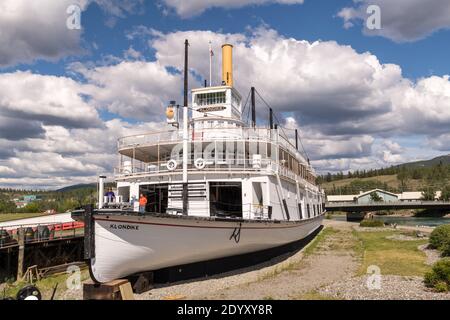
(282, 129)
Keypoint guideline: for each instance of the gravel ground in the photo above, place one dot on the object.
(402, 237)
(432, 255)
(391, 288)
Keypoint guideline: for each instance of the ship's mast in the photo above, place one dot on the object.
(185, 130)
(210, 64)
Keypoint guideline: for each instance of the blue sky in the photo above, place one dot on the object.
(312, 21)
(362, 98)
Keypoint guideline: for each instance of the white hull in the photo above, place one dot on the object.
(128, 244)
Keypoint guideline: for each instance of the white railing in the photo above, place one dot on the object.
(212, 134)
(141, 168)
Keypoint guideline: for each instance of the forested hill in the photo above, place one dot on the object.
(413, 176)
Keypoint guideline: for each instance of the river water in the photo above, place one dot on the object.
(406, 221)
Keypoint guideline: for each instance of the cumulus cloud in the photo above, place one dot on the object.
(344, 102)
(132, 89)
(45, 99)
(440, 142)
(191, 8)
(325, 85)
(401, 20)
(66, 156)
(32, 30)
(36, 30)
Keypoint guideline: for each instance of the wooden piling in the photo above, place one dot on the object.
(21, 253)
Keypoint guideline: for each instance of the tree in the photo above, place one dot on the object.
(428, 194)
(445, 193)
(375, 197)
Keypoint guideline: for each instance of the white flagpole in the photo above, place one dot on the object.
(210, 64)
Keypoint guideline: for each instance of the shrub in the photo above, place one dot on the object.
(439, 277)
(371, 223)
(441, 286)
(440, 237)
(445, 250)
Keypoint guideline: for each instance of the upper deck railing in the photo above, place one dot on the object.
(210, 134)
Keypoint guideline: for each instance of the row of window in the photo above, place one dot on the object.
(203, 99)
(290, 162)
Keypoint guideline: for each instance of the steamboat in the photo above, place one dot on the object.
(215, 187)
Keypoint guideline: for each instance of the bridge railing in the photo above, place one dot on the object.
(9, 236)
(392, 205)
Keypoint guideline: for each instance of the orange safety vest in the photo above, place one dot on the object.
(142, 201)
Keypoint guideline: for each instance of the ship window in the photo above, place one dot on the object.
(210, 98)
(234, 99)
(308, 210)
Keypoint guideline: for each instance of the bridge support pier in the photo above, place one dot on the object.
(356, 216)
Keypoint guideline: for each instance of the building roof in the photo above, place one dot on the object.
(341, 198)
(415, 195)
(376, 190)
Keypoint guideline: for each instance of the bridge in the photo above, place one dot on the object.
(357, 211)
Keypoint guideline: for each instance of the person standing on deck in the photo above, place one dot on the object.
(142, 203)
(110, 194)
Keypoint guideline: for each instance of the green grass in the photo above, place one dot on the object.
(45, 285)
(393, 257)
(310, 249)
(15, 216)
(293, 265)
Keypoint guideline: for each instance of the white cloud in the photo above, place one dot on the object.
(132, 89)
(325, 85)
(36, 30)
(401, 20)
(440, 142)
(33, 30)
(45, 99)
(344, 102)
(67, 156)
(393, 147)
(191, 8)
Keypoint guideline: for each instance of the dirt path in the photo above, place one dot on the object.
(332, 259)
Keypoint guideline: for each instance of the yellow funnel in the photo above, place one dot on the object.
(227, 64)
